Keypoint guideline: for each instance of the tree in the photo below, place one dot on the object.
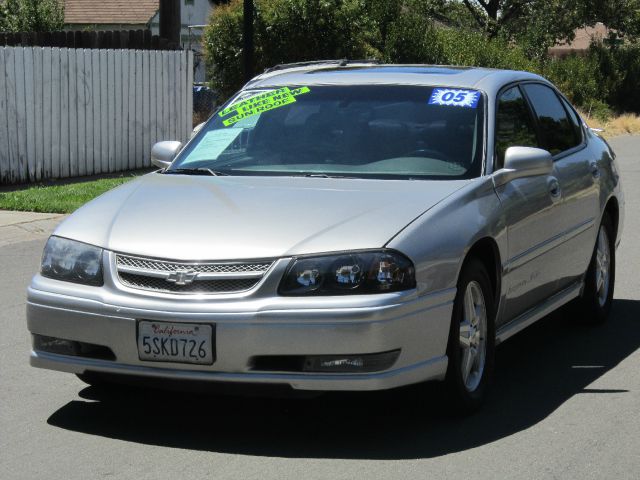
(559, 16)
(31, 15)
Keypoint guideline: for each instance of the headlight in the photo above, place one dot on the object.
(72, 261)
(349, 273)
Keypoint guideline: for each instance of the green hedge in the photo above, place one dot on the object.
(297, 30)
(284, 31)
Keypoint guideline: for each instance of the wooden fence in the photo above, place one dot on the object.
(116, 39)
(73, 112)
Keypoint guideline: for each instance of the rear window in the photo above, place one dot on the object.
(557, 130)
(352, 131)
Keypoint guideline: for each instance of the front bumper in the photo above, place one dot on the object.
(418, 326)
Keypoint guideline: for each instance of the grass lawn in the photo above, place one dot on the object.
(58, 198)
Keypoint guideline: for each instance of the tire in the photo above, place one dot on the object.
(474, 350)
(594, 305)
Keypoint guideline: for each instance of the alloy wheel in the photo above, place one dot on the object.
(473, 336)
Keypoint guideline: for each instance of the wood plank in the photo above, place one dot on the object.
(21, 114)
(30, 114)
(111, 90)
(80, 109)
(153, 98)
(171, 92)
(131, 133)
(166, 131)
(96, 74)
(38, 103)
(189, 106)
(146, 121)
(73, 113)
(120, 163)
(12, 114)
(139, 95)
(88, 110)
(104, 113)
(5, 160)
(185, 117)
(56, 106)
(125, 109)
(47, 110)
(64, 112)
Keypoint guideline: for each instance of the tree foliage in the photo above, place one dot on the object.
(438, 32)
(31, 15)
(539, 24)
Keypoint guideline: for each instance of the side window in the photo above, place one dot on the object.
(557, 130)
(514, 126)
(576, 122)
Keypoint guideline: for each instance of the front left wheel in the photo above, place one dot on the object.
(471, 340)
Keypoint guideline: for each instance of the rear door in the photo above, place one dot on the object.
(561, 133)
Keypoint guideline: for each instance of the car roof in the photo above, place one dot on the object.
(334, 73)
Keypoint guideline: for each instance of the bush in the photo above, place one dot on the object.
(31, 15)
(412, 39)
(474, 49)
(579, 78)
(284, 31)
(619, 71)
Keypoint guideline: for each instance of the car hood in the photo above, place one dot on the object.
(225, 218)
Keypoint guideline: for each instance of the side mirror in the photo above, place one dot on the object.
(163, 153)
(520, 162)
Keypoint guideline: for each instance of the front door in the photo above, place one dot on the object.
(531, 213)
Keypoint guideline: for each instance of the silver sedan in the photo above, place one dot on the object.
(339, 226)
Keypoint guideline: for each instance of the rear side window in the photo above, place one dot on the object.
(514, 126)
(575, 120)
(557, 130)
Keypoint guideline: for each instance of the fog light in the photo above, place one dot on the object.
(55, 345)
(370, 362)
(73, 348)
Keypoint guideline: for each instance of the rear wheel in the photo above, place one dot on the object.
(471, 340)
(595, 303)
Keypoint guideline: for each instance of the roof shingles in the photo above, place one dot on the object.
(116, 12)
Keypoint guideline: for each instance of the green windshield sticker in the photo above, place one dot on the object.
(261, 103)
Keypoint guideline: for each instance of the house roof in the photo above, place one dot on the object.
(109, 11)
(583, 39)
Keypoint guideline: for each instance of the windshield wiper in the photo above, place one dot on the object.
(323, 175)
(195, 171)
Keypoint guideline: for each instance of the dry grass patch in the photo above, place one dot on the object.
(626, 124)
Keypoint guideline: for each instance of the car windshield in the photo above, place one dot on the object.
(387, 132)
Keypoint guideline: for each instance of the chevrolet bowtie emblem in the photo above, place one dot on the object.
(182, 277)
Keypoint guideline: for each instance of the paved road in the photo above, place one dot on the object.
(564, 405)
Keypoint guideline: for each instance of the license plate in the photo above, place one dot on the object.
(175, 342)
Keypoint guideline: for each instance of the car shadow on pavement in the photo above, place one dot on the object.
(537, 371)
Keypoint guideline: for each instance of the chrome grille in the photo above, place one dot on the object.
(202, 286)
(169, 266)
(189, 277)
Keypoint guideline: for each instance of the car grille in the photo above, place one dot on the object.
(189, 277)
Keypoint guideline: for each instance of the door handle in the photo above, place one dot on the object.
(595, 170)
(554, 188)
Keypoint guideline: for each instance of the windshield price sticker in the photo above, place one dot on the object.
(455, 97)
(261, 103)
